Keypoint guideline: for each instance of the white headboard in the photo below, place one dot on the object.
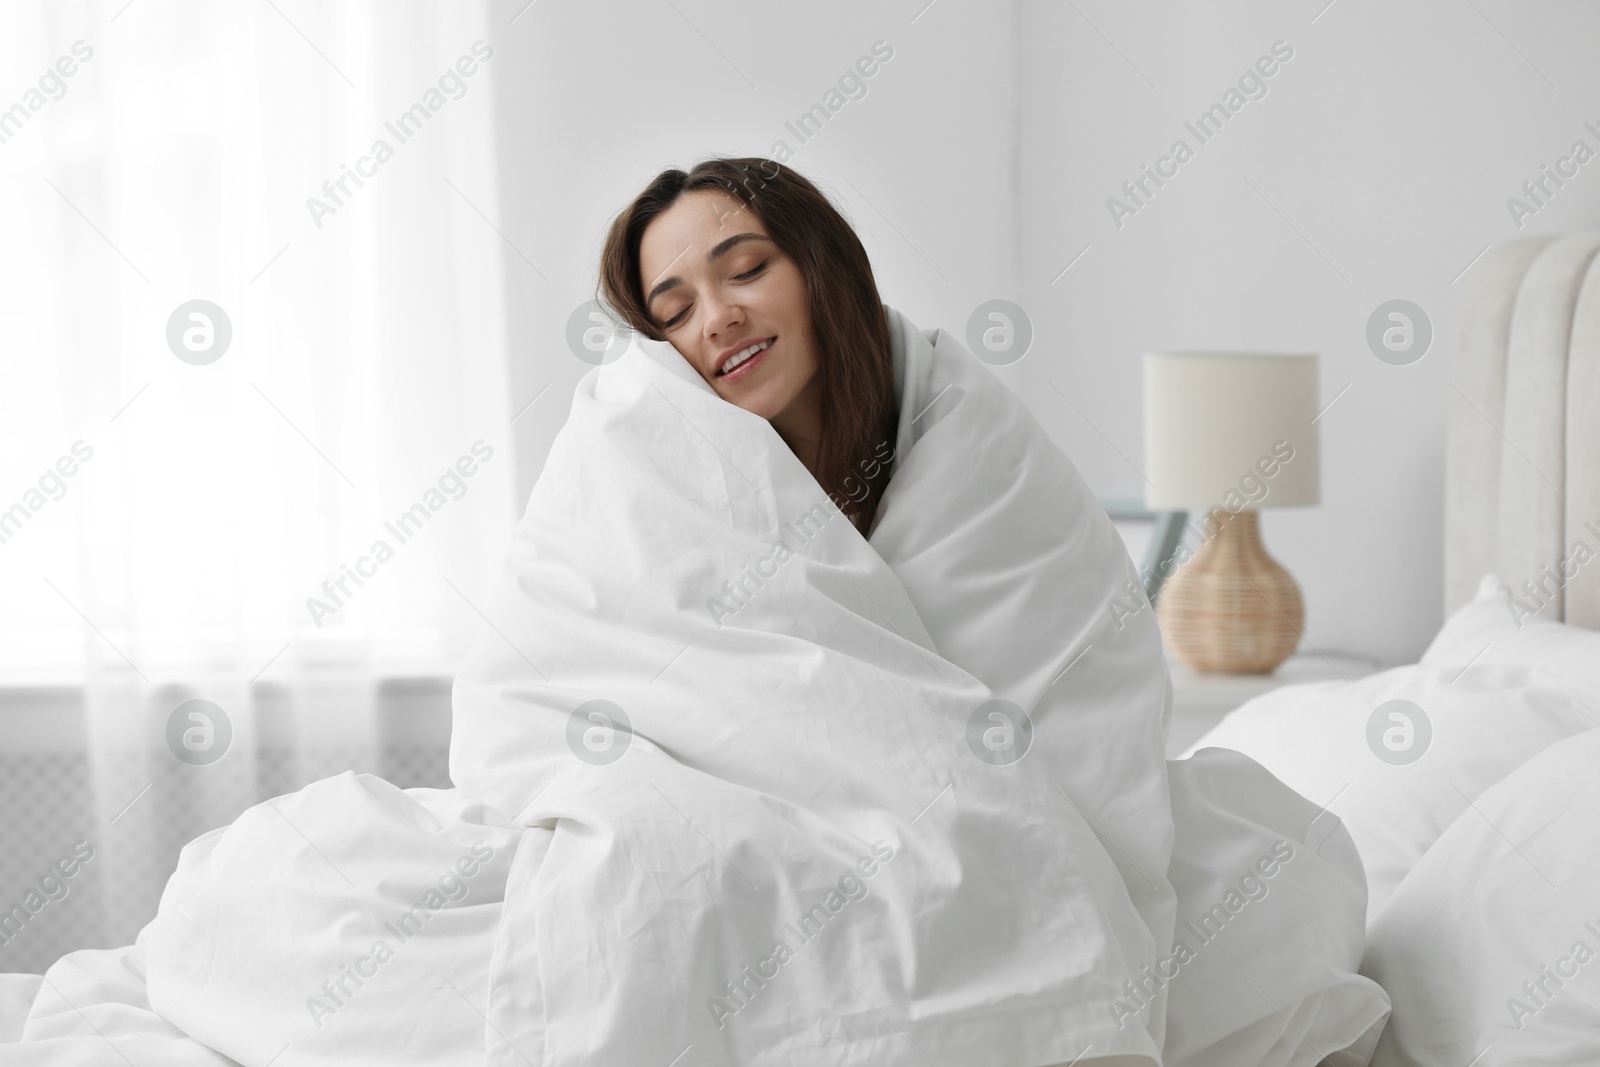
(1522, 466)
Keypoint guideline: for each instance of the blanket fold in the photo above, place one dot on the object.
(727, 706)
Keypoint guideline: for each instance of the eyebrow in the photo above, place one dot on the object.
(719, 249)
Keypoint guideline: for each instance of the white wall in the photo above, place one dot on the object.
(1391, 141)
(594, 99)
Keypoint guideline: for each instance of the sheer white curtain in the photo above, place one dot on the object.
(168, 514)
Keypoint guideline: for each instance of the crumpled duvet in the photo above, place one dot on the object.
(819, 722)
(736, 785)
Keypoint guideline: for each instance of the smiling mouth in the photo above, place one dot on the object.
(739, 359)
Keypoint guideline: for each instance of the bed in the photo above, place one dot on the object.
(1465, 780)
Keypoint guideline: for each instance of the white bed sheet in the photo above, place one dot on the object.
(91, 1008)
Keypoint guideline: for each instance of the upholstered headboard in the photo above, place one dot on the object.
(1522, 467)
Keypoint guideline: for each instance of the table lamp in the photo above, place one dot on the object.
(1227, 433)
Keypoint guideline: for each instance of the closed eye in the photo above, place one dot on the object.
(751, 273)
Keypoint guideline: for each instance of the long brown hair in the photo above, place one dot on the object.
(855, 355)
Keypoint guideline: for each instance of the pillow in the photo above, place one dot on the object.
(1271, 923)
(1490, 947)
(1398, 755)
(1495, 627)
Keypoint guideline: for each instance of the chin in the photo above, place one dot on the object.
(764, 402)
(766, 411)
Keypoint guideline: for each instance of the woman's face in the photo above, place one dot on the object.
(716, 285)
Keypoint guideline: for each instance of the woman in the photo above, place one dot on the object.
(764, 289)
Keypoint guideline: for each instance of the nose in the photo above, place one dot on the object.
(722, 316)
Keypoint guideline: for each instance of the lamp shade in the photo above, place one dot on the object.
(1230, 429)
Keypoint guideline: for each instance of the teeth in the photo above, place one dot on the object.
(742, 356)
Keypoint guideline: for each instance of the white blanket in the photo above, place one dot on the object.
(784, 739)
(91, 1009)
(721, 802)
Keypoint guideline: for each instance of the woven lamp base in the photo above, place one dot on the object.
(1231, 608)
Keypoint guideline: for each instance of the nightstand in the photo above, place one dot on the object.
(1199, 701)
